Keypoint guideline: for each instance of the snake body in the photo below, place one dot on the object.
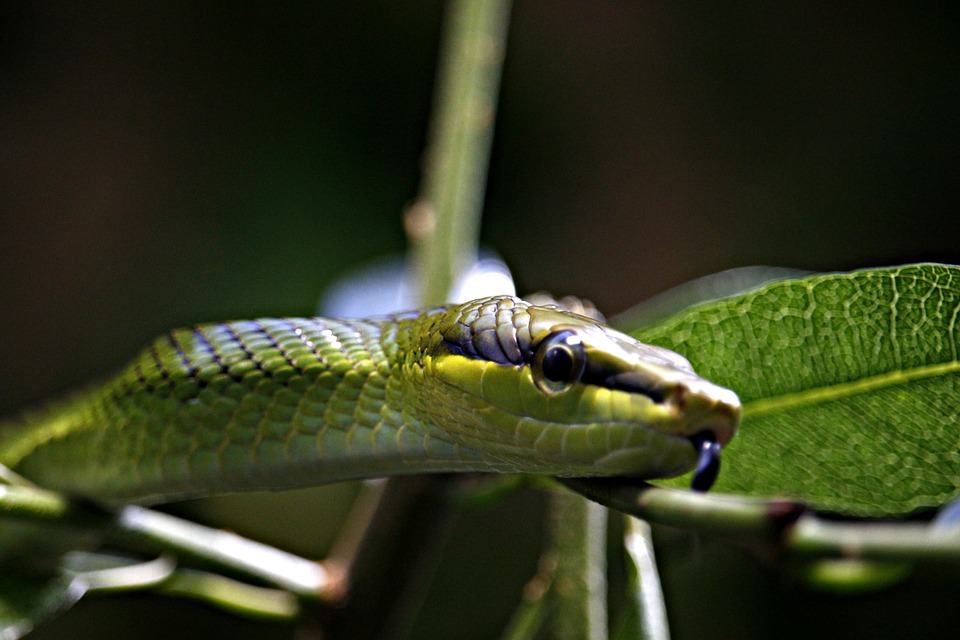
(490, 385)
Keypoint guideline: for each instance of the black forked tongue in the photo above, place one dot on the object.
(708, 461)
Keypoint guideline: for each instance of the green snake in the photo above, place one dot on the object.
(492, 385)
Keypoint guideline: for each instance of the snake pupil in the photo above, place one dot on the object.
(557, 364)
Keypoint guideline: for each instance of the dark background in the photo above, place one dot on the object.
(169, 163)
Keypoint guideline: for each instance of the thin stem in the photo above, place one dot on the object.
(235, 597)
(388, 574)
(722, 515)
(813, 537)
(778, 526)
(34, 504)
(393, 566)
(443, 225)
(578, 542)
(340, 563)
(134, 527)
(193, 543)
(649, 620)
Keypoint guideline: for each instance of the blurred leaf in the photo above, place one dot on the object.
(27, 601)
(711, 287)
(849, 384)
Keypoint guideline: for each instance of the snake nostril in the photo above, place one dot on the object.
(677, 396)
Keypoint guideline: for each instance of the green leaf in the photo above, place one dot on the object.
(849, 384)
(27, 601)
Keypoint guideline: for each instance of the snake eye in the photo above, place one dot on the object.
(559, 361)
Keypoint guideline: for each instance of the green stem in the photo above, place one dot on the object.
(235, 597)
(778, 526)
(813, 537)
(38, 505)
(158, 533)
(578, 544)
(730, 516)
(192, 543)
(647, 606)
(443, 225)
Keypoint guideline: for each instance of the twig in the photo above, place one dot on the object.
(134, 527)
(578, 543)
(647, 604)
(443, 224)
(720, 515)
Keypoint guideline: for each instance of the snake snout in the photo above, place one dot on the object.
(705, 408)
(710, 415)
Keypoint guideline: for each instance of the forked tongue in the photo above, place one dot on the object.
(708, 461)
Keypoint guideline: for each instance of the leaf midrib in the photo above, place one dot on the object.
(819, 395)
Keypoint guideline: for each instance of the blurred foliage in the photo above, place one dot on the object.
(171, 163)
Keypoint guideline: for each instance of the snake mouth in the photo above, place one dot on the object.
(708, 460)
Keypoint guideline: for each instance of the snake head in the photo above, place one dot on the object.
(547, 389)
